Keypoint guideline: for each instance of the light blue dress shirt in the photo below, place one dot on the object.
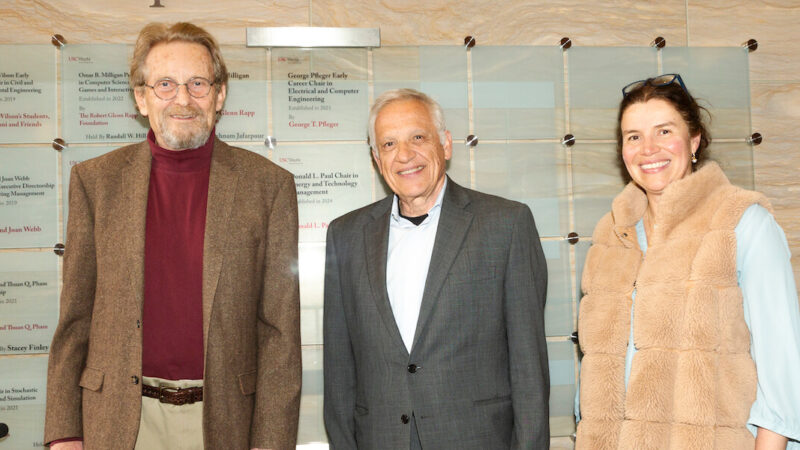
(772, 314)
(407, 263)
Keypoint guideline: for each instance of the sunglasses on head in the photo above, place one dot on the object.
(661, 80)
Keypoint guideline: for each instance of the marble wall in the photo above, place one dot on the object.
(774, 66)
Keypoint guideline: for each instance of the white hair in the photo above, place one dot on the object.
(396, 95)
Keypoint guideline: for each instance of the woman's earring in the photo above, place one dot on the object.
(694, 158)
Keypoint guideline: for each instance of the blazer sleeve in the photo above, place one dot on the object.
(338, 360)
(525, 292)
(277, 397)
(63, 415)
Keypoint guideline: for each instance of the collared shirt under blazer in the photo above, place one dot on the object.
(476, 377)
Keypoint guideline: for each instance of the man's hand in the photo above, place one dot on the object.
(71, 445)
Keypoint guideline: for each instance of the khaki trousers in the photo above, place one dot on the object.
(170, 427)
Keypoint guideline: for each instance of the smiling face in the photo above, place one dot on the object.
(183, 122)
(410, 156)
(656, 146)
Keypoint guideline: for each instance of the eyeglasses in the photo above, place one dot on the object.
(167, 89)
(661, 80)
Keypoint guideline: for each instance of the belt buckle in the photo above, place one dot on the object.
(163, 391)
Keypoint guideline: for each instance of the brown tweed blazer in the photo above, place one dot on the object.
(250, 304)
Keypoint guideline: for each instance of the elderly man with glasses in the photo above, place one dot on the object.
(179, 323)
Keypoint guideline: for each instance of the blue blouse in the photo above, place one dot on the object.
(772, 314)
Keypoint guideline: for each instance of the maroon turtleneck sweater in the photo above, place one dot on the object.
(172, 323)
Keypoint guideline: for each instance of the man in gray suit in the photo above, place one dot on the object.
(434, 304)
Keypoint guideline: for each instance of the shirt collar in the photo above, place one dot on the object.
(433, 213)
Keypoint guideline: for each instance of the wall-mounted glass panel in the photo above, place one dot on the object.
(596, 78)
(518, 92)
(534, 174)
(736, 160)
(311, 429)
(562, 387)
(331, 180)
(244, 117)
(438, 71)
(27, 94)
(69, 157)
(596, 180)
(458, 168)
(262, 149)
(581, 249)
(28, 301)
(98, 104)
(319, 94)
(719, 78)
(558, 309)
(312, 283)
(23, 389)
(28, 197)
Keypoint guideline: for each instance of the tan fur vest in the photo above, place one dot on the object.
(692, 381)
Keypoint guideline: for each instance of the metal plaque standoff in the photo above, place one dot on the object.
(313, 37)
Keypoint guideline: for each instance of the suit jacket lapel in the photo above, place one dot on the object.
(454, 222)
(135, 187)
(376, 246)
(221, 189)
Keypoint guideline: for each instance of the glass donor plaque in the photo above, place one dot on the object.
(22, 396)
(28, 301)
(98, 104)
(439, 71)
(319, 94)
(27, 94)
(331, 180)
(518, 92)
(244, 116)
(28, 197)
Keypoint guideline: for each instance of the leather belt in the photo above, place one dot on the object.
(174, 396)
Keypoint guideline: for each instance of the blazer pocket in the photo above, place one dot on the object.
(492, 401)
(247, 382)
(472, 275)
(91, 379)
(361, 410)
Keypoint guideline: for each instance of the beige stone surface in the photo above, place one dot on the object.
(516, 22)
(119, 21)
(775, 114)
(775, 109)
(773, 23)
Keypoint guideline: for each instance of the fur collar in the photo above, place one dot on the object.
(680, 199)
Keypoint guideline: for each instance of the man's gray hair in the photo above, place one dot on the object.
(396, 95)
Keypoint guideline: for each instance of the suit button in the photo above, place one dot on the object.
(404, 418)
(412, 368)
(135, 379)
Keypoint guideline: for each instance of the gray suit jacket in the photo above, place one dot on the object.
(480, 377)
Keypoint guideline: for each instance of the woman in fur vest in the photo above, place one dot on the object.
(689, 325)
